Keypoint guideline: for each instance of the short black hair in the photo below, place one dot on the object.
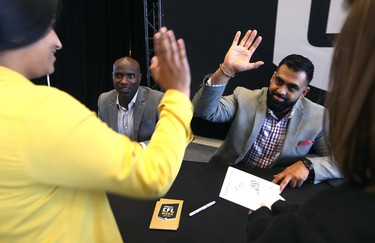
(299, 63)
(23, 22)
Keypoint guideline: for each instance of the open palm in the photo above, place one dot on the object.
(239, 54)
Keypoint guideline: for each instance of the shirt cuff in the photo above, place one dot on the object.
(208, 83)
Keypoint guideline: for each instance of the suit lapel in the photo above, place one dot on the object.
(260, 115)
(139, 107)
(293, 127)
(113, 111)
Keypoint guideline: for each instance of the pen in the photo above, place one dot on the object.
(48, 82)
(202, 208)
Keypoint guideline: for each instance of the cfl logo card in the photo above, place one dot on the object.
(168, 211)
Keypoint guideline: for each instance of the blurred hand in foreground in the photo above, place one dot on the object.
(170, 67)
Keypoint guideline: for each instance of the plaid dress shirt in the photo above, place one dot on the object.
(269, 142)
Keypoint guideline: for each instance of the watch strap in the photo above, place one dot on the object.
(310, 166)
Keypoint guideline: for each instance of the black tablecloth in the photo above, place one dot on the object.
(197, 184)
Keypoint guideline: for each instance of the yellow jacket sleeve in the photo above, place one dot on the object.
(71, 147)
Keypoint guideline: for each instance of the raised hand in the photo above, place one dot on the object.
(170, 67)
(239, 54)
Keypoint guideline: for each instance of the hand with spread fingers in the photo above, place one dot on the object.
(239, 54)
(170, 66)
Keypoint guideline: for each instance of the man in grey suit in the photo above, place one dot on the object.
(274, 126)
(130, 109)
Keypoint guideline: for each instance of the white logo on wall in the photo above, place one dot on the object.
(296, 32)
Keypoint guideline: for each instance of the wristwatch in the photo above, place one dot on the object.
(309, 165)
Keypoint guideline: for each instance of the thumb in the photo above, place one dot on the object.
(255, 65)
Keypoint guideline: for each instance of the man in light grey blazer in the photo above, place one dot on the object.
(274, 126)
(130, 109)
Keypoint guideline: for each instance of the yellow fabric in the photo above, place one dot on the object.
(57, 160)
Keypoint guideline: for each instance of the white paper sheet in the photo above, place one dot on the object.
(248, 190)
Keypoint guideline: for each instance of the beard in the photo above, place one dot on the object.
(276, 105)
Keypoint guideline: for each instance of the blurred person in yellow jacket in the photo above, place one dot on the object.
(57, 159)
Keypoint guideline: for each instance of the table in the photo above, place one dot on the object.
(197, 184)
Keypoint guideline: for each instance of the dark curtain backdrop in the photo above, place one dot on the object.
(94, 34)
